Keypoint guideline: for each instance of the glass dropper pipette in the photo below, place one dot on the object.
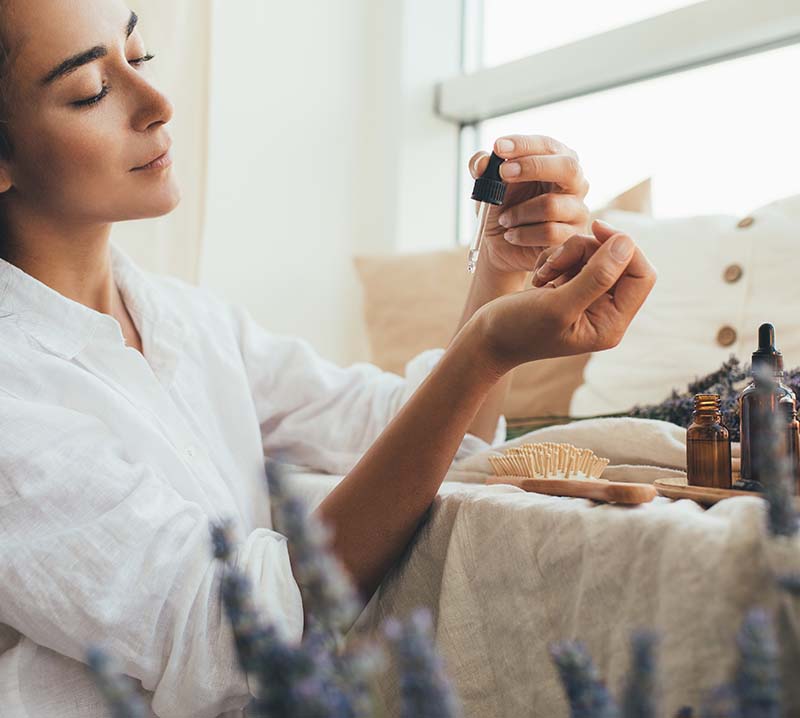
(489, 191)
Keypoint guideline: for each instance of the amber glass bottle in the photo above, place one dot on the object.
(708, 445)
(759, 405)
(792, 443)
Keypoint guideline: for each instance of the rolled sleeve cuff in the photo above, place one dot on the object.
(264, 559)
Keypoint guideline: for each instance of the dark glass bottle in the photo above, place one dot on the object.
(708, 445)
(792, 444)
(759, 406)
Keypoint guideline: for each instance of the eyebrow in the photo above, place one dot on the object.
(83, 58)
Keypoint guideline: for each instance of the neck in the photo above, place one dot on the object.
(72, 259)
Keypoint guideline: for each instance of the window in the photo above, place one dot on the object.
(514, 28)
(722, 138)
(697, 96)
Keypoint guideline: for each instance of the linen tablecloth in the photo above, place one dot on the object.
(506, 573)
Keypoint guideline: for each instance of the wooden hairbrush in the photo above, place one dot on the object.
(564, 470)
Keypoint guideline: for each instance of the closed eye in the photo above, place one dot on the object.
(138, 62)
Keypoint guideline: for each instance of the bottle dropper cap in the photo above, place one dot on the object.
(489, 187)
(767, 356)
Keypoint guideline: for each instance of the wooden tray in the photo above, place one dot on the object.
(617, 492)
(677, 488)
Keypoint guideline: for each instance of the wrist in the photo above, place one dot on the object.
(474, 343)
(497, 282)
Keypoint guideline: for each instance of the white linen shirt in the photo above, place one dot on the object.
(114, 463)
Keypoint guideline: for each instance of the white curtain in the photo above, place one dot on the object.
(178, 33)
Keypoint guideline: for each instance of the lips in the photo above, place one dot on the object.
(161, 159)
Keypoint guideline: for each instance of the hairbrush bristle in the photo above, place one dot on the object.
(548, 461)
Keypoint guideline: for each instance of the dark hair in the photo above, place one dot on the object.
(5, 62)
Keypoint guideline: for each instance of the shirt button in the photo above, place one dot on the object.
(190, 451)
(726, 336)
(745, 222)
(733, 273)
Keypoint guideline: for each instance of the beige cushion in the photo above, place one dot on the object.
(715, 272)
(413, 302)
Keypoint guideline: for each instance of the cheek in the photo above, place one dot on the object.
(65, 160)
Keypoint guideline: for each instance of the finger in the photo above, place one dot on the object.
(478, 164)
(600, 273)
(563, 170)
(512, 146)
(574, 253)
(635, 284)
(550, 207)
(603, 230)
(544, 234)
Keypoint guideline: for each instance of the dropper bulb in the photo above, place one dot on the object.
(766, 336)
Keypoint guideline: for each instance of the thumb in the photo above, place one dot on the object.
(599, 274)
(478, 164)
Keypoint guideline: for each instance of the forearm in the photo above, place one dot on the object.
(485, 287)
(377, 507)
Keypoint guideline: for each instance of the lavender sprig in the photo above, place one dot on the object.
(323, 581)
(587, 695)
(639, 700)
(775, 467)
(757, 683)
(117, 689)
(426, 691)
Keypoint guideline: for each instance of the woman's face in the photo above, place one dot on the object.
(81, 126)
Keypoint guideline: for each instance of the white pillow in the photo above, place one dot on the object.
(676, 336)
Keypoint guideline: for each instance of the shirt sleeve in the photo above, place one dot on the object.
(316, 414)
(97, 548)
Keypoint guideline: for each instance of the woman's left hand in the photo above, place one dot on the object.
(543, 206)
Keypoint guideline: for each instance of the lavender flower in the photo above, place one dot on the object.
(426, 692)
(775, 468)
(685, 712)
(323, 581)
(587, 695)
(118, 690)
(639, 700)
(757, 682)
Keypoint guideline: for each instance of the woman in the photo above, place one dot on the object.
(136, 409)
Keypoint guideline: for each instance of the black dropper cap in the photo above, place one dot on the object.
(489, 187)
(767, 356)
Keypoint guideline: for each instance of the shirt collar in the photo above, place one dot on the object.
(64, 326)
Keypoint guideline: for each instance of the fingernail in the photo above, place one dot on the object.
(622, 247)
(505, 145)
(510, 169)
(504, 220)
(510, 236)
(606, 225)
(556, 254)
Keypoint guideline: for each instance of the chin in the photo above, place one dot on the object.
(159, 205)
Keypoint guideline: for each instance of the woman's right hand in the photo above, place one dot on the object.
(585, 295)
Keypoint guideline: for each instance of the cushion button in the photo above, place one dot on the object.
(733, 273)
(745, 222)
(726, 336)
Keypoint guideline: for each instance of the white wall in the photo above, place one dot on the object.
(323, 144)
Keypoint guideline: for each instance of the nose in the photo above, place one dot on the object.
(151, 106)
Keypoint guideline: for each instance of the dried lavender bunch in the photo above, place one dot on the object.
(757, 683)
(426, 691)
(586, 693)
(678, 407)
(727, 381)
(118, 690)
(639, 698)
